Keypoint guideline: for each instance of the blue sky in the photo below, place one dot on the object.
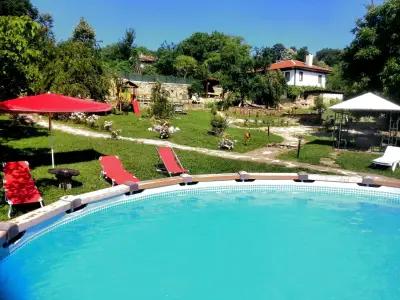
(313, 23)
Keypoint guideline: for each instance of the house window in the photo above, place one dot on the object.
(320, 79)
(287, 76)
(300, 76)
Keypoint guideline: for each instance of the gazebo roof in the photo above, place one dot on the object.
(368, 102)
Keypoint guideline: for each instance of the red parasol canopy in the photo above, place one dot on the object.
(52, 103)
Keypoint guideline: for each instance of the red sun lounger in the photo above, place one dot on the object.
(18, 185)
(170, 161)
(113, 169)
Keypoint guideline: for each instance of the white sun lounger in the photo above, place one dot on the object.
(391, 158)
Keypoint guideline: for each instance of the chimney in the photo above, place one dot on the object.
(309, 60)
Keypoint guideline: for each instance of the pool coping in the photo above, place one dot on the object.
(10, 230)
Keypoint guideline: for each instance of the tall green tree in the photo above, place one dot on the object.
(21, 55)
(302, 53)
(185, 65)
(263, 57)
(267, 89)
(371, 60)
(77, 70)
(166, 55)
(235, 67)
(278, 50)
(84, 33)
(18, 8)
(126, 45)
(329, 56)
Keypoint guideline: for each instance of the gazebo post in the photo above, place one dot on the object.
(390, 129)
(340, 130)
(334, 131)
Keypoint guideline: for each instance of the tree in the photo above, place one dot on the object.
(126, 45)
(234, 67)
(267, 89)
(166, 55)
(371, 60)
(301, 54)
(77, 70)
(263, 57)
(391, 78)
(329, 56)
(185, 65)
(335, 79)
(84, 33)
(18, 8)
(21, 55)
(278, 50)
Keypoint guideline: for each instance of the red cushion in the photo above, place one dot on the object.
(113, 169)
(19, 185)
(170, 162)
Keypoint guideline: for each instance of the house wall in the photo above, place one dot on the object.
(329, 96)
(309, 78)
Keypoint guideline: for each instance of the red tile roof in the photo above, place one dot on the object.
(296, 64)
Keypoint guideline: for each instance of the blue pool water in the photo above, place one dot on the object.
(260, 244)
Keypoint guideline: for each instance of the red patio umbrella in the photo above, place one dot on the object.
(52, 103)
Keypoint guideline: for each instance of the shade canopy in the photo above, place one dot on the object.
(52, 103)
(368, 102)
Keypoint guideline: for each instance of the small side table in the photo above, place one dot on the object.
(64, 176)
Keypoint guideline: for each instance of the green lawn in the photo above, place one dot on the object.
(312, 150)
(317, 148)
(194, 131)
(82, 153)
(361, 162)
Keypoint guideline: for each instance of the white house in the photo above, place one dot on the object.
(300, 73)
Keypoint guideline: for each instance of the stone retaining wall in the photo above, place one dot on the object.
(177, 91)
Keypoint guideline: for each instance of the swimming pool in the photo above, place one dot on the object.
(258, 240)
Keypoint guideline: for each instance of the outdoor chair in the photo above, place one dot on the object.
(178, 109)
(19, 186)
(112, 168)
(170, 161)
(390, 158)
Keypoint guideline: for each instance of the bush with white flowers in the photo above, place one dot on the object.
(115, 134)
(165, 130)
(82, 118)
(91, 120)
(78, 117)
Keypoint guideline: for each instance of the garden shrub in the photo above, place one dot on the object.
(161, 108)
(218, 122)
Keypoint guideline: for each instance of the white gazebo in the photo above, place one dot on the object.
(366, 104)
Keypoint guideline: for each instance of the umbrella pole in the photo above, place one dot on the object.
(49, 122)
(52, 158)
(51, 142)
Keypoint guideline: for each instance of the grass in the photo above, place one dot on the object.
(81, 153)
(194, 131)
(311, 152)
(317, 148)
(361, 162)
